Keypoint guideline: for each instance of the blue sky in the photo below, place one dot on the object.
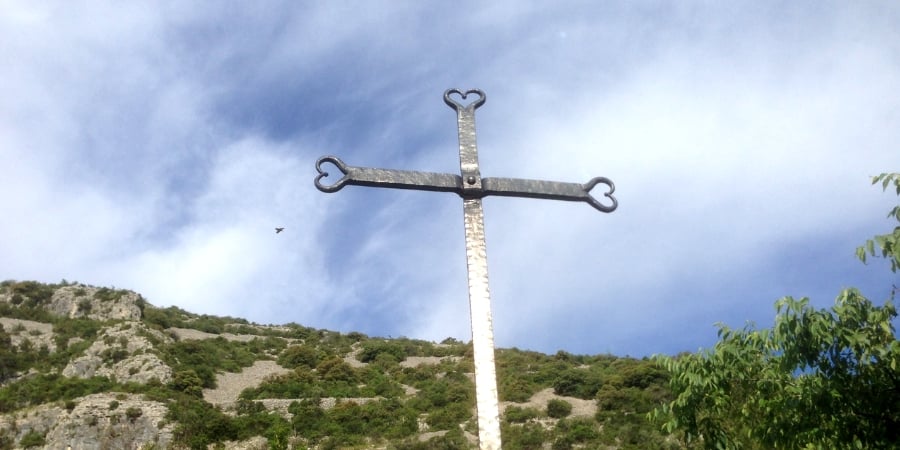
(155, 146)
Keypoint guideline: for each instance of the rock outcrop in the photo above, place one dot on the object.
(123, 352)
(99, 421)
(38, 334)
(90, 302)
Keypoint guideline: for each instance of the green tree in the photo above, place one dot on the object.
(826, 378)
(888, 244)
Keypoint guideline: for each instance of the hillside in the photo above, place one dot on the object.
(94, 367)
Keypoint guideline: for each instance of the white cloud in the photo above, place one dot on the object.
(156, 148)
(227, 256)
(720, 158)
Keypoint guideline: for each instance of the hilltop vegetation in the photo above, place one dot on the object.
(819, 378)
(100, 367)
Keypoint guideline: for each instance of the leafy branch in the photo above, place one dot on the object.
(885, 245)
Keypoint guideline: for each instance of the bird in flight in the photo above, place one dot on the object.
(279, 229)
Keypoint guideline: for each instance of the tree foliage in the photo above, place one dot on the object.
(885, 245)
(819, 378)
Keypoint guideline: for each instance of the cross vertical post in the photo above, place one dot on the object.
(472, 188)
(487, 404)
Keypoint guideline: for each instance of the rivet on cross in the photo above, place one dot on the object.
(471, 187)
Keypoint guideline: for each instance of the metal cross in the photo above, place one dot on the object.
(471, 187)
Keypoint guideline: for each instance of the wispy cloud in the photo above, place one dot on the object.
(156, 146)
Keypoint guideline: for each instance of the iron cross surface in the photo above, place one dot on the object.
(471, 187)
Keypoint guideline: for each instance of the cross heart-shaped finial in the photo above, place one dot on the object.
(457, 105)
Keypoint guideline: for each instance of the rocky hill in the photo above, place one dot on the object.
(87, 367)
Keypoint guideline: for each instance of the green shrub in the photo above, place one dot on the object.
(303, 383)
(45, 388)
(309, 419)
(632, 400)
(189, 382)
(268, 345)
(84, 306)
(527, 436)
(644, 375)
(448, 417)
(381, 384)
(514, 389)
(208, 324)
(356, 336)
(65, 329)
(454, 439)
(336, 369)
(277, 432)
(133, 412)
(245, 407)
(206, 357)
(385, 362)
(630, 432)
(161, 318)
(37, 293)
(442, 392)
(113, 355)
(27, 300)
(108, 295)
(580, 383)
(563, 442)
(372, 348)
(515, 414)
(579, 429)
(299, 355)
(199, 423)
(32, 439)
(558, 409)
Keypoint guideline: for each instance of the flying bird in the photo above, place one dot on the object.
(279, 230)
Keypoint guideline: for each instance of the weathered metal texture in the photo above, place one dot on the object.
(397, 179)
(468, 149)
(472, 188)
(552, 190)
(445, 182)
(486, 399)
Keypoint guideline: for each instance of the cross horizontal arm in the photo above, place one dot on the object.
(551, 190)
(444, 182)
(397, 179)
